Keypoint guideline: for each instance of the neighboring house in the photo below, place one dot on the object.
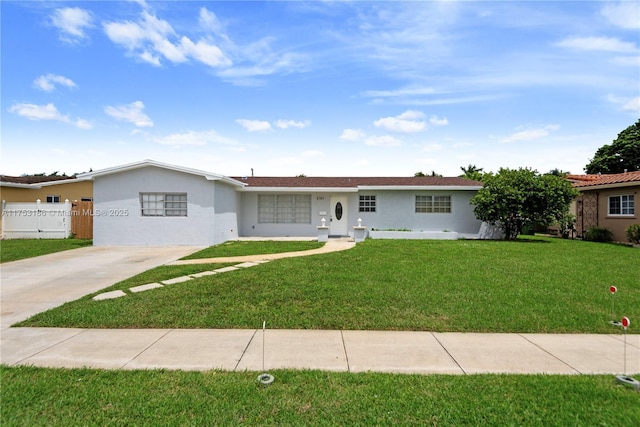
(47, 189)
(607, 201)
(152, 203)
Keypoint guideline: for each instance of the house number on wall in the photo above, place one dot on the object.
(338, 211)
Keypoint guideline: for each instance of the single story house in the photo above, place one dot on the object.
(607, 201)
(47, 189)
(153, 203)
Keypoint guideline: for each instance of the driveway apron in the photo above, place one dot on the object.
(33, 285)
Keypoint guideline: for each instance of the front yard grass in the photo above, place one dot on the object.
(79, 397)
(13, 250)
(244, 247)
(530, 285)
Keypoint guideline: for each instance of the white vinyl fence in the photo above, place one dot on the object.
(36, 220)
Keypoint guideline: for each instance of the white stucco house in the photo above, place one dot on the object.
(153, 203)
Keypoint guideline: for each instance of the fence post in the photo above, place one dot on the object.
(4, 206)
(66, 218)
(38, 202)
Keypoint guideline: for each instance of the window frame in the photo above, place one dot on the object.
(163, 203)
(54, 198)
(626, 208)
(367, 203)
(430, 203)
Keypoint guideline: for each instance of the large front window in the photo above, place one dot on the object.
(433, 204)
(622, 205)
(284, 208)
(163, 204)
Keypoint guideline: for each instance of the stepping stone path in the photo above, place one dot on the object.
(181, 279)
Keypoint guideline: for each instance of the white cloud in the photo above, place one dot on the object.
(72, 22)
(607, 44)
(436, 121)
(624, 14)
(254, 125)
(632, 105)
(383, 141)
(407, 122)
(195, 138)
(131, 113)
(530, 134)
(48, 82)
(286, 124)
(352, 135)
(152, 40)
(626, 104)
(47, 112)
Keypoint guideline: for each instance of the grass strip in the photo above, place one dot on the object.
(13, 250)
(79, 397)
(534, 286)
(243, 247)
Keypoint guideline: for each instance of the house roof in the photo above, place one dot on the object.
(609, 180)
(33, 179)
(147, 163)
(355, 183)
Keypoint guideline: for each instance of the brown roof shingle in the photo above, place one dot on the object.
(353, 182)
(608, 179)
(33, 179)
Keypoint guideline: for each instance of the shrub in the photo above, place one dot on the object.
(598, 234)
(633, 233)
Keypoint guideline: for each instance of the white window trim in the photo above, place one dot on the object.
(432, 211)
(163, 209)
(290, 209)
(373, 203)
(619, 215)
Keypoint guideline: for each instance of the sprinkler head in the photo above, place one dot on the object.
(265, 379)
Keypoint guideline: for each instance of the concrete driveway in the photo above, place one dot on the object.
(33, 285)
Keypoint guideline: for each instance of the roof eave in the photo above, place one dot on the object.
(251, 189)
(608, 186)
(420, 187)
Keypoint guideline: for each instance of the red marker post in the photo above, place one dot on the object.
(625, 322)
(613, 290)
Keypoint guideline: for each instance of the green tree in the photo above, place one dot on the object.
(513, 197)
(623, 153)
(472, 172)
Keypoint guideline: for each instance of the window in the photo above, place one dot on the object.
(284, 208)
(622, 205)
(433, 204)
(367, 204)
(53, 199)
(163, 204)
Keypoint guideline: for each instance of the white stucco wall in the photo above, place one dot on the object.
(394, 210)
(118, 219)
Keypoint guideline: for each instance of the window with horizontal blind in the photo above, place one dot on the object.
(163, 204)
(284, 208)
(433, 204)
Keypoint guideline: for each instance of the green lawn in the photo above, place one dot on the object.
(79, 397)
(12, 250)
(243, 247)
(533, 285)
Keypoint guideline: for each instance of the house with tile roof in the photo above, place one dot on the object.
(153, 203)
(607, 201)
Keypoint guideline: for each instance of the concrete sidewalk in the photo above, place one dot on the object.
(341, 351)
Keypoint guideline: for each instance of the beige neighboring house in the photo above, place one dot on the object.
(47, 189)
(607, 201)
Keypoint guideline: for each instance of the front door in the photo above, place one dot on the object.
(338, 225)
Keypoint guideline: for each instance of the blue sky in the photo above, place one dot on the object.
(322, 88)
